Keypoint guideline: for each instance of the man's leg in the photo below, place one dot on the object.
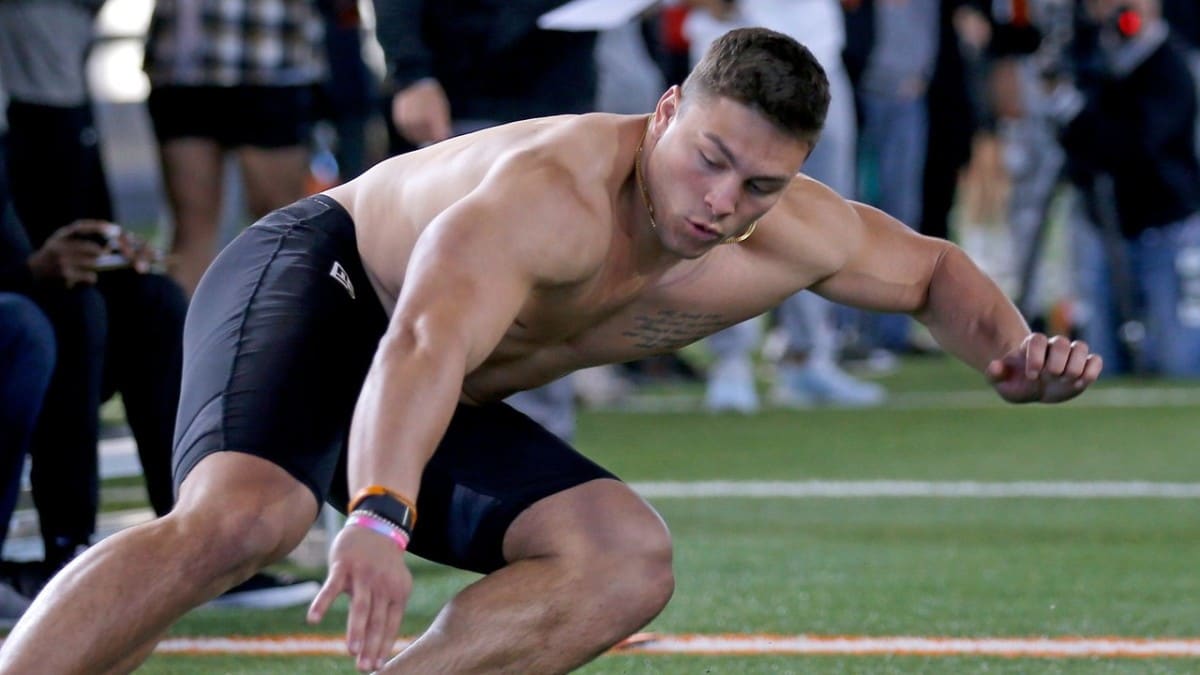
(588, 567)
(236, 514)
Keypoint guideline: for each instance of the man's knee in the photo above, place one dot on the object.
(232, 535)
(632, 570)
(645, 560)
(242, 510)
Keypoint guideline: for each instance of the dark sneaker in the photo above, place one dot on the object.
(12, 606)
(267, 591)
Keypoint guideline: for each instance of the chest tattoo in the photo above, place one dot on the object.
(672, 329)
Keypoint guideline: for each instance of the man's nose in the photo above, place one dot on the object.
(722, 199)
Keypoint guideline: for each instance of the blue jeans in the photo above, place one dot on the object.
(892, 141)
(26, 364)
(1164, 269)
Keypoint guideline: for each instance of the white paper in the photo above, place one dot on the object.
(580, 15)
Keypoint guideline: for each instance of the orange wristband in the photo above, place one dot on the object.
(381, 491)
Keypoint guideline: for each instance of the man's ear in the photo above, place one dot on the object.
(668, 106)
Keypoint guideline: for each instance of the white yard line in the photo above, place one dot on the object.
(983, 397)
(930, 489)
(853, 645)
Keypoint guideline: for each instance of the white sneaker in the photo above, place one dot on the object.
(804, 386)
(731, 387)
(601, 385)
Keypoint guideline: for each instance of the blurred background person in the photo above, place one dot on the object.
(122, 332)
(118, 322)
(230, 77)
(1128, 122)
(27, 354)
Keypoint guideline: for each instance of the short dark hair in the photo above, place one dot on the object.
(769, 72)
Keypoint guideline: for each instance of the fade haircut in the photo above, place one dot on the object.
(769, 72)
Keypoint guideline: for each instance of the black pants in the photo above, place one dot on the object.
(122, 335)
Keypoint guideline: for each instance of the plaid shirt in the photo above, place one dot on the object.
(235, 42)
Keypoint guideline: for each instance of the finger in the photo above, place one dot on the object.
(1035, 355)
(391, 628)
(128, 245)
(81, 248)
(1091, 371)
(1077, 360)
(1058, 353)
(360, 613)
(329, 592)
(440, 128)
(89, 226)
(996, 370)
(376, 637)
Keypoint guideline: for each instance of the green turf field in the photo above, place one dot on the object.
(1020, 567)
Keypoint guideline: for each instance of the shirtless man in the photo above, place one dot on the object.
(359, 343)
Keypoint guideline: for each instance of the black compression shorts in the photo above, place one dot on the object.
(278, 340)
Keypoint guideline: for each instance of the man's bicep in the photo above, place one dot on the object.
(889, 267)
(463, 288)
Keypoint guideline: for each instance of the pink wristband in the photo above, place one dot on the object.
(380, 526)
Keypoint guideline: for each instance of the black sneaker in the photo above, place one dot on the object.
(267, 591)
(12, 605)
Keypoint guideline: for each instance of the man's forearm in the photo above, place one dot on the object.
(968, 314)
(402, 413)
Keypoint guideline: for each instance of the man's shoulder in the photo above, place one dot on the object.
(578, 159)
(578, 144)
(812, 225)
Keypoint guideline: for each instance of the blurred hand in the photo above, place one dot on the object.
(421, 112)
(720, 9)
(1044, 369)
(141, 256)
(371, 570)
(70, 254)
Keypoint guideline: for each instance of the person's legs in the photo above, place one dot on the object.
(730, 383)
(271, 137)
(192, 169)
(273, 177)
(1166, 263)
(588, 567)
(1096, 304)
(64, 478)
(26, 362)
(808, 373)
(236, 514)
(145, 353)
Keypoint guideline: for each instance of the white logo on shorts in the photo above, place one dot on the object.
(342, 278)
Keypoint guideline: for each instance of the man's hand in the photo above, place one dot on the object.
(70, 254)
(370, 568)
(421, 112)
(1044, 369)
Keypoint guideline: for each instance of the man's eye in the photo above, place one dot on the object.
(707, 162)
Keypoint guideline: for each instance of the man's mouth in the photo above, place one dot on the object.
(704, 230)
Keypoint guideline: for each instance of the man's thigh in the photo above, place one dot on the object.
(492, 465)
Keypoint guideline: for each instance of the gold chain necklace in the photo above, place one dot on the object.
(637, 171)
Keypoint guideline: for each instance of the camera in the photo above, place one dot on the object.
(111, 258)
